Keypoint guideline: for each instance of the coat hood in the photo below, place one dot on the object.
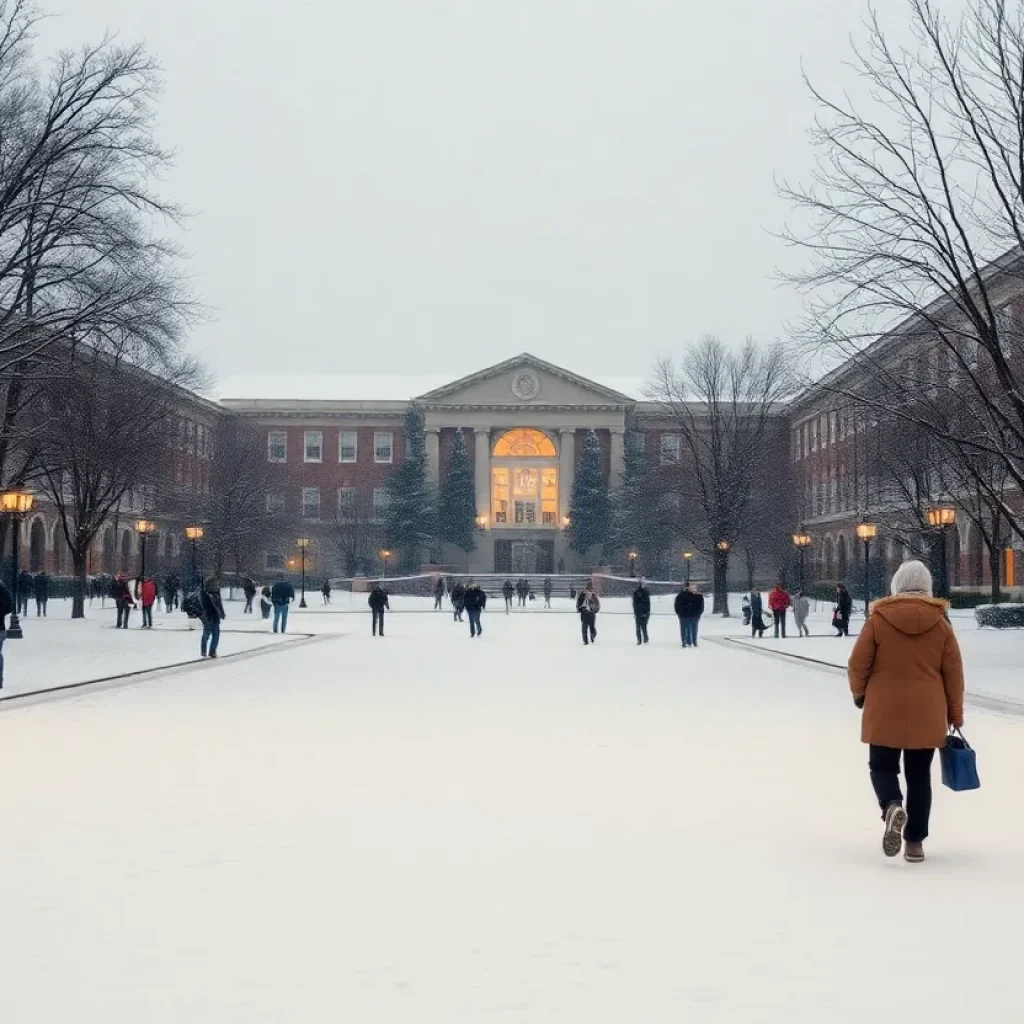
(910, 613)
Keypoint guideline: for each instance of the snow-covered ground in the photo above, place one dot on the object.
(427, 828)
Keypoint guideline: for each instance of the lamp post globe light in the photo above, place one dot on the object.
(144, 528)
(303, 543)
(941, 518)
(385, 555)
(632, 563)
(801, 541)
(688, 558)
(867, 532)
(15, 503)
(194, 534)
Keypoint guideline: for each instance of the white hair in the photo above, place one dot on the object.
(912, 578)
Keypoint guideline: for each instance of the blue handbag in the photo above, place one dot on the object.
(959, 763)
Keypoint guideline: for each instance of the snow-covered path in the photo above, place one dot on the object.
(431, 829)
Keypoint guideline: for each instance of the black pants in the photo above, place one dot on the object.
(641, 627)
(474, 621)
(378, 617)
(40, 606)
(843, 625)
(147, 616)
(457, 610)
(884, 763)
(248, 603)
(757, 626)
(588, 625)
(437, 600)
(780, 622)
(123, 611)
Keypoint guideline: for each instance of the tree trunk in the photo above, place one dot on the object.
(995, 570)
(78, 584)
(720, 604)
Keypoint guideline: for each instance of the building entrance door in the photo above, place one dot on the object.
(524, 558)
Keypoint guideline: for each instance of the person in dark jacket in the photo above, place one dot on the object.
(844, 608)
(641, 611)
(282, 593)
(757, 626)
(438, 592)
(123, 600)
(266, 605)
(170, 593)
(689, 607)
(211, 613)
(26, 587)
(523, 590)
(6, 607)
(547, 591)
(588, 605)
(458, 596)
(41, 587)
(249, 590)
(507, 590)
(476, 602)
(325, 591)
(378, 602)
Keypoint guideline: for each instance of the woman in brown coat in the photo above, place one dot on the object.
(906, 673)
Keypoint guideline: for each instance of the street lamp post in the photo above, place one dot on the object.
(303, 543)
(143, 527)
(688, 558)
(195, 535)
(632, 563)
(801, 541)
(15, 503)
(721, 581)
(385, 555)
(941, 518)
(867, 532)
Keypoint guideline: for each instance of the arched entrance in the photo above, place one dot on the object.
(37, 546)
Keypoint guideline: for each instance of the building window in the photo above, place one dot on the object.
(310, 502)
(348, 446)
(313, 446)
(275, 502)
(346, 502)
(277, 446)
(380, 502)
(383, 446)
(274, 561)
(669, 449)
(814, 435)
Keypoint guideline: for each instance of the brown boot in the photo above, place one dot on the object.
(914, 852)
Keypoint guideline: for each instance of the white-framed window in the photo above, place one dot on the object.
(310, 502)
(348, 446)
(346, 502)
(380, 502)
(383, 446)
(669, 449)
(275, 502)
(274, 561)
(277, 446)
(313, 446)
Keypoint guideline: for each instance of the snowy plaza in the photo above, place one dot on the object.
(516, 828)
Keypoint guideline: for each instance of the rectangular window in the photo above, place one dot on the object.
(313, 446)
(274, 561)
(525, 512)
(669, 449)
(500, 486)
(383, 446)
(310, 502)
(348, 446)
(346, 502)
(277, 446)
(380, 502)
(275, 502)
(549, 496)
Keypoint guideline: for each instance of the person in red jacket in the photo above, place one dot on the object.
(147, 597)
(778, 602)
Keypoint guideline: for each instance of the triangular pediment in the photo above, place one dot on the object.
(524, 380)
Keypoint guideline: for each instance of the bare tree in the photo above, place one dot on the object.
(914, 226)
(726, 404)
(356, 535)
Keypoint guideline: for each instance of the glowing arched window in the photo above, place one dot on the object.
(524, 444)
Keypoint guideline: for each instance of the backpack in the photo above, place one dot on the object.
(192, 606)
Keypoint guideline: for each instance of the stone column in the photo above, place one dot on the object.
(618, 459)
(482, 472)
(433, 440)
(566, 472)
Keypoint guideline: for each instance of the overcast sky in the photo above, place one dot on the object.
(433, 185)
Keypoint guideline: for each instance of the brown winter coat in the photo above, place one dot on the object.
(906, 665)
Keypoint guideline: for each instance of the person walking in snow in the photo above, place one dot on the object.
(745, 608)
(457, 594)
(147, 598)
(641, 610)
(25, 588)
(757, 626)
(249, 590)
(588, 605)
(123, 600)
(266, 605)
(41, 587)
(779, 602)
(689, 607)
(843, 611)
(547, 591)
(211, 614)
(282, 593)
(438, 593)
(801, 609)
(906, 675)
(169, 594)
(475, 602)
(325, 591)
(378, 602)
(507, 590)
